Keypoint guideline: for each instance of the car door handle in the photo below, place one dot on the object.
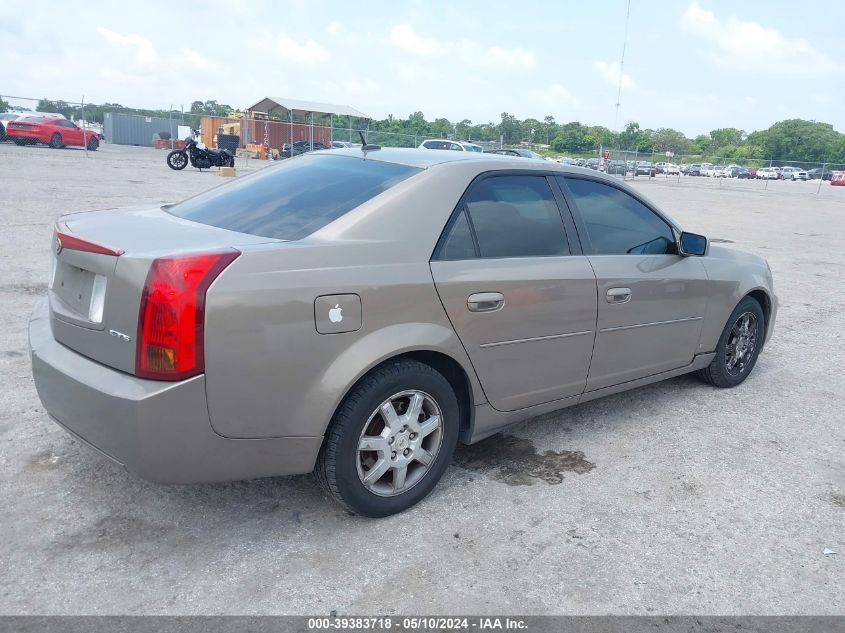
(485, 301)
(618, 295)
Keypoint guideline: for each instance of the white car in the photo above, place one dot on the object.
(720, 171)
(671, 169)
(793, 173)
(457, 146)
(767, 173)
(707, 169)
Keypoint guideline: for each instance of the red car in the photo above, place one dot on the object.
(52, 131)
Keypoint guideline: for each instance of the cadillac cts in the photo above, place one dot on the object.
(359, 313)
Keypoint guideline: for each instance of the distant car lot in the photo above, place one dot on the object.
(632, 504)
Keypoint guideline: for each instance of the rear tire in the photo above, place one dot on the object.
(19, 141)
(56, 141)
(400, 445)
(739, 346)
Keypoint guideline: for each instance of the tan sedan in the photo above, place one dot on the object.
(358, 313)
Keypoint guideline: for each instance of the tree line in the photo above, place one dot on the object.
(794, 139)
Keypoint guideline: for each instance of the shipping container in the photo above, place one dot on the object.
(131, 129)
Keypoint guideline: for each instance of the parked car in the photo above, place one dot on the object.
(519, 152)
(738, 172)
(5, 117)
(793, 173)
(616, 167)
(767, 173)
(719, 171)
(457, 146)
(671, 169)
(694, 169)
(837, 178)
(300, 147)
(818, 172)
(52, 131)
(645, 168)
(253, 330)
(343, 144)
(593, 163)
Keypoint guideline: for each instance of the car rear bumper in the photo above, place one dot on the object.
(18, 133)
(159, 431)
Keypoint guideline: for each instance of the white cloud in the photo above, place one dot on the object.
(145, 53)
(195, 59)
(752, 46)
(334, 28)
(404, 36)
(468, 52)
(610, 72)
(308, 53)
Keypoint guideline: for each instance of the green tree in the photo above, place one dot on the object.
(667, 139)
(798, 139)
(4, 105)
(726, 136)
(510, 129)
(700, 144)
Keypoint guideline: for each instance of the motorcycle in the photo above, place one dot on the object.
(199, 155)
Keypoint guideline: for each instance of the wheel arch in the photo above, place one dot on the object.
(762, 296)
(441, 362)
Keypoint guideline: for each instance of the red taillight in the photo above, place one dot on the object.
(73, 243)
(172, 315)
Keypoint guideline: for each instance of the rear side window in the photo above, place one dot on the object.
(510, 216)
(292, 200)
(458, 243)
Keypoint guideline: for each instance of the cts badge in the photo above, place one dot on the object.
(120, 335)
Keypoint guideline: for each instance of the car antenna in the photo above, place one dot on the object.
(367, 147)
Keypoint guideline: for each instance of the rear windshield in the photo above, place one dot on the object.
(34, 119)
(292, 200)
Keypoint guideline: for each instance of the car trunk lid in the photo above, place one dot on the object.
(99, 266)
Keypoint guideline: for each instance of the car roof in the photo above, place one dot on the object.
(485, 161)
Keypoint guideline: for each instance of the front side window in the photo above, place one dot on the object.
(617, 223)
(510, 216)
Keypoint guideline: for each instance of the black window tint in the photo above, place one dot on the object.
(619, 224)
(458, 243)
(516, 216)
(295, 198)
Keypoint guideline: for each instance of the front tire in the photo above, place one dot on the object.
(391, 440)
(177, 159)
(93, 144)
(56, 141)
(738, 347)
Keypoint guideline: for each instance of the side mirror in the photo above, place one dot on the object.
(691, 244)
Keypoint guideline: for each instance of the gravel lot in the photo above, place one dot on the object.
(687, 499)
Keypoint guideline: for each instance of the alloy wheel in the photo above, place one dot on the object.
(741, 344)
(399, 442)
